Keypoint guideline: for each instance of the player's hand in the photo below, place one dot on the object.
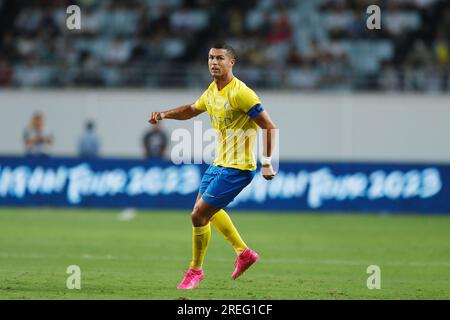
(155, 117)
(267, 171)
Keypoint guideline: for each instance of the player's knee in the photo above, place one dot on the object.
(197, 218)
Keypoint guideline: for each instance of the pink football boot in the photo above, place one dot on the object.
(243, 262)
(191, 279)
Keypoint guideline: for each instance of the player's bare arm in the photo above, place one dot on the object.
(264, 121)
(181, 113)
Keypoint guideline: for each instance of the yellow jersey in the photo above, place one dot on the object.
(231, 111)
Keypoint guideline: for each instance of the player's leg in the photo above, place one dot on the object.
(220, 192)
(201, 233)
(221, 221)
(201, 214)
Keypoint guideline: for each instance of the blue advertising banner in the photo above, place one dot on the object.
(298, 186)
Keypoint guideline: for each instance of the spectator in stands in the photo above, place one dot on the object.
(36, 138)
(155, 142)
(89, 145)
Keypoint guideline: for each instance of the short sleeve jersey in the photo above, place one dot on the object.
(231, 111)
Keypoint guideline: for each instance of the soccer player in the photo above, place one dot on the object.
(235, 112)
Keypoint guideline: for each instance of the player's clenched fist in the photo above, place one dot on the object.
(155, 117)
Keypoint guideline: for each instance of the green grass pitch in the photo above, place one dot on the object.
(303, 256)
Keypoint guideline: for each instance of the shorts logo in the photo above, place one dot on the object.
(209, 195)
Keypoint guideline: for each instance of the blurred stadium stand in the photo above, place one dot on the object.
(314, 45)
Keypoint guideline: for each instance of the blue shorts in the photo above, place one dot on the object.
(220, 185)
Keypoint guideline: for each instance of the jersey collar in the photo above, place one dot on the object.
(223, 89)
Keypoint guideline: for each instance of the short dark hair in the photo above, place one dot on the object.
(230, 50)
